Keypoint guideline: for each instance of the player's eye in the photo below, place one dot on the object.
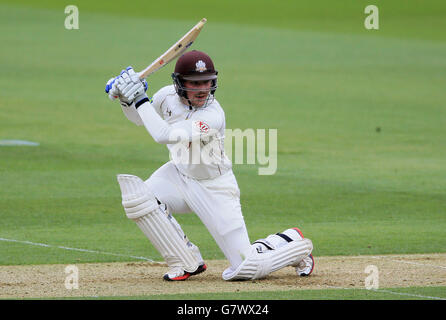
(200, 83)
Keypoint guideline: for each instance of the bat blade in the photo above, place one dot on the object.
(174, 51)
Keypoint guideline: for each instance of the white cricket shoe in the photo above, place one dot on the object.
(306, 266)
(178, 274)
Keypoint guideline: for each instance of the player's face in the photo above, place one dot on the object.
(198, 91)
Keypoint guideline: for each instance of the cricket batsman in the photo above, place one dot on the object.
(186, 117)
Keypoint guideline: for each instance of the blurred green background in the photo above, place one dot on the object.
(360, 114)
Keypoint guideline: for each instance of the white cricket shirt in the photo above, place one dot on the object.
(194, 136)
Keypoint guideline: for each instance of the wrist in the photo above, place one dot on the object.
(139, 100)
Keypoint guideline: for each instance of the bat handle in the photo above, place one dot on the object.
(140, 75)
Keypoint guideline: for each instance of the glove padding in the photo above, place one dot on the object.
(111, 88)
(127, 86)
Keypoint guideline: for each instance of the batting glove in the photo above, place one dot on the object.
(131, 88)
(111, 88)
(128, 87)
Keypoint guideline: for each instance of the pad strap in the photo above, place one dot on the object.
(284, 236)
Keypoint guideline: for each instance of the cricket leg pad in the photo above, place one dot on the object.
(161, 228)
(271, 254)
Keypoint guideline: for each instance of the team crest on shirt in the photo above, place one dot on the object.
(200, 66)
(202, 126)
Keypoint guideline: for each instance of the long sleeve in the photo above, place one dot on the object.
(185, 130)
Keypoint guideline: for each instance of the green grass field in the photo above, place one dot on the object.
(360, 114)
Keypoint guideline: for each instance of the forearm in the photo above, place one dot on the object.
(160, 130)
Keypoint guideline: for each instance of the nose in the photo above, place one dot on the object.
(203, 86)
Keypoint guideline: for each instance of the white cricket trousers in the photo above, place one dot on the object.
(215, 201)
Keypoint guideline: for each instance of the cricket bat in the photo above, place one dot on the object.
(174, 51)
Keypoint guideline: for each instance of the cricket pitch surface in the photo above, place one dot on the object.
(144, 278)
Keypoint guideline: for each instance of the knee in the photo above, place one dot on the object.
(137, 198)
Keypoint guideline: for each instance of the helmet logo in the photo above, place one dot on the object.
(200, 66)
